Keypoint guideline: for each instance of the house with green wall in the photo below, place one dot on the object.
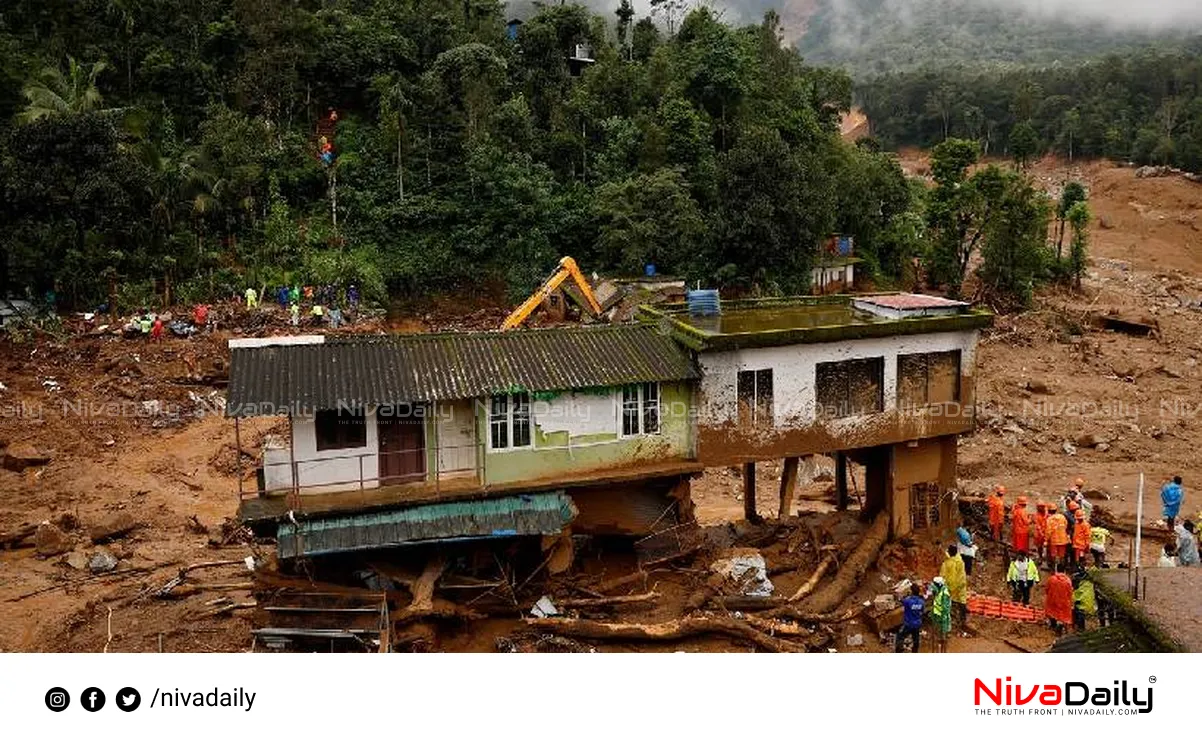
(379, 422)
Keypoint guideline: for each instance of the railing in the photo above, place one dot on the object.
(366, 467)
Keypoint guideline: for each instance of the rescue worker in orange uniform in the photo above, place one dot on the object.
(1081, 536)
(1073, 516)
(1020, 525)
(1040, 533)
(997, 511)
(1057, 539)
(1058, 600)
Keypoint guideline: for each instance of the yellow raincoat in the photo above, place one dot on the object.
(956, 579)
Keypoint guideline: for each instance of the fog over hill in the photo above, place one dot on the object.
(876, 36)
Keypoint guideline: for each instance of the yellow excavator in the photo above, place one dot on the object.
(547, 293)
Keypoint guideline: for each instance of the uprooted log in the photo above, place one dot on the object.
(832, 594)
(634, 598)
(806, 588)
(16, 537)
(676, 629)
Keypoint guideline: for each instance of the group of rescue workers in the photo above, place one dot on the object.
(1059, 537)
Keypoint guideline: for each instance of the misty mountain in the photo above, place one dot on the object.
(871, 37)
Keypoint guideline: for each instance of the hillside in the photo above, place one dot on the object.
(871, 37)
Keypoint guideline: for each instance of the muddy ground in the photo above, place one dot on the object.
(136, 429)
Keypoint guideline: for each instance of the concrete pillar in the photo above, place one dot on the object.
(841, 481)
(788, 483)
(749, 511)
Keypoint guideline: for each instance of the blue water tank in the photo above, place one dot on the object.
(703, 302)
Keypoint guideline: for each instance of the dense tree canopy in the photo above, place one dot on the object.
(178, 143)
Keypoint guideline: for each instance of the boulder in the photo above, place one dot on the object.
(49, 540)
(21, 456)
(1038, 386)
(78, 560)
(1091, 440)
(119, 524)
(102, 561)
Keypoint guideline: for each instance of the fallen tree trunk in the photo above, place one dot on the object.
(862, 557)
(676, 629)
(633, 598)
(807, 587)
(13, 539)
(423, 587)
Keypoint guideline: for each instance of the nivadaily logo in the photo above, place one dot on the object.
(1070, 697)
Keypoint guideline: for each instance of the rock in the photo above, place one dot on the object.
(49, 540)
(102, 561)
(1102, 447)
(1069, 449)
(77, 559)
(66, 521)
(20, 456)
(744, 571)
(117, 525)
(855, 641)
(1091, 440)
(1039, 387)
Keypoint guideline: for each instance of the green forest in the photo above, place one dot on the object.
(175, 143)
(1144, 108)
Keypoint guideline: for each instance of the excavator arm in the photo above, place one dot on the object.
(567, 269)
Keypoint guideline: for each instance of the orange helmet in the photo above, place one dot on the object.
(1072, 505)
(1079, 482)
(1041, 506)
(1022, 500)
(999, 489)
(1051, 508)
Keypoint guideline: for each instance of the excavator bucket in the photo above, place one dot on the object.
(567, 270)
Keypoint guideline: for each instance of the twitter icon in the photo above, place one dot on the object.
(128, 699)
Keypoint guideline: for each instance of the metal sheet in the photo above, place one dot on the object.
(534, 514)
(374, 370)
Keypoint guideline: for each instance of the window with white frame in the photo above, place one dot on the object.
(640, 409)
(509, 421)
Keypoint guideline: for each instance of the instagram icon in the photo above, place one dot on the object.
(57, 699)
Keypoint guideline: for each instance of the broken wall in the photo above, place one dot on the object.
(581, 431)
(922, 474)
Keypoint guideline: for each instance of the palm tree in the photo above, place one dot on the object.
(53, 93)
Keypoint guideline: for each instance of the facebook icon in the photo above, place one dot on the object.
(92, 699)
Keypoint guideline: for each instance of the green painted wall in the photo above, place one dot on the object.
(552, 455)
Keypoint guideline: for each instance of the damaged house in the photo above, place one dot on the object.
(465, 435)
(598, 429)
(885, 381)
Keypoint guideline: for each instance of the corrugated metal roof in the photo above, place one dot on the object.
(519, 515)
(373, 370)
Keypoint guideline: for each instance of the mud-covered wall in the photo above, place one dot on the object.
(797, 429)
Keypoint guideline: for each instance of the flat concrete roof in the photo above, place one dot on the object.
(777, 321)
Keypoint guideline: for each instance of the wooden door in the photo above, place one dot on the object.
(402, 434)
